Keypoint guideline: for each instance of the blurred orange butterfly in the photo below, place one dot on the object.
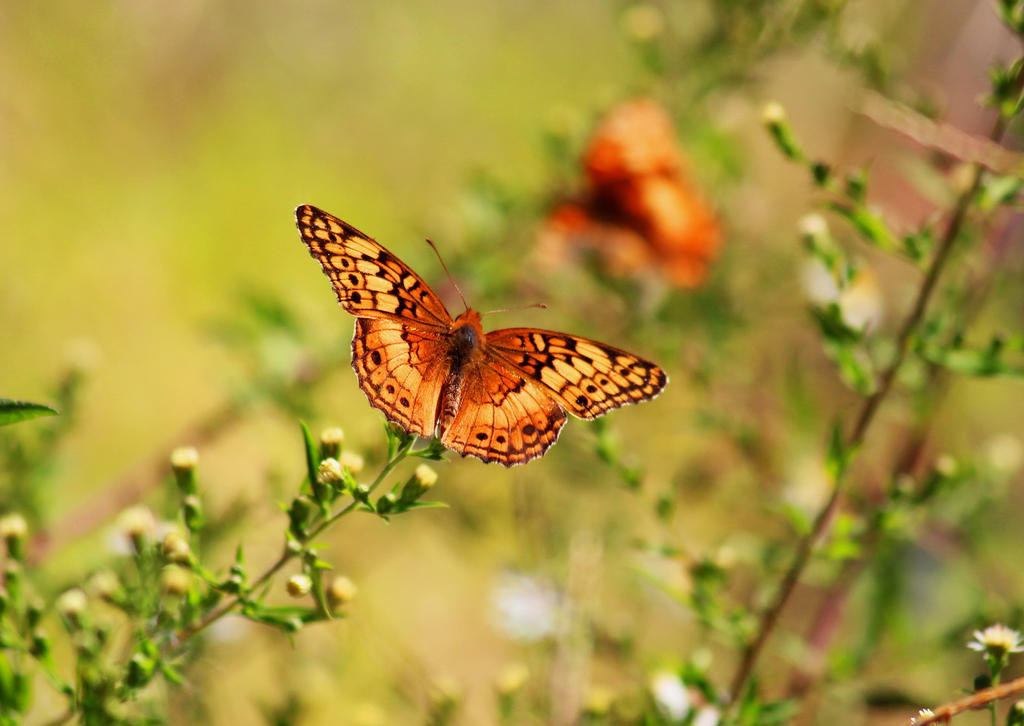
(500, 396)
(638, 210)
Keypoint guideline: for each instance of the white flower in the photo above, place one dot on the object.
(923, 715)
(997, 641)
(525, 608)
(707, 716)
(670, 695)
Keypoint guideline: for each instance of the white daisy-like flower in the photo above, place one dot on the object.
(923, 715)
(997, 641)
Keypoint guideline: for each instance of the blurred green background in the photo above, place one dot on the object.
(151, 155)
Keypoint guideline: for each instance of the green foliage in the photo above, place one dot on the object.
(12, 411)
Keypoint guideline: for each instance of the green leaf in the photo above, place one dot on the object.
(427, 505)
(833, 326)
(311, 454)
(839, 456)
(854, 368)
(12, 411)
(999, 190)
(982, 363)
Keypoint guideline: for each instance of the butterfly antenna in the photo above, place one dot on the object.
(542, 306)
(445, 268)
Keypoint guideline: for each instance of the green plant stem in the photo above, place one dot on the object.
(862, 423)
(286, 556)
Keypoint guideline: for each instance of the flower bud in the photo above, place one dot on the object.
(137, 523)
(192, 509)
(340, 591)
(174, 580)
(425, 476)
(298, 515)
(387, 503)
(774, 118)
(71, 604)
(299, 585)
(422, 479)
(13, 530)
(175, 548)
(183, 463)
(352, 461)
(103, 584)
(40, 646)
(34, 613)
(1016, 715)
(12, 581)
(140, 670)
(330, 442)
(330, 472)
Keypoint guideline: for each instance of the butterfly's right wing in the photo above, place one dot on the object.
(369, 281)
(587, 377)
(501, 416)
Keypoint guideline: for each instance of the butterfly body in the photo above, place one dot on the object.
(501, 396)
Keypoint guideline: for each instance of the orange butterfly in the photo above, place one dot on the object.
(500, 396)
(639, 210)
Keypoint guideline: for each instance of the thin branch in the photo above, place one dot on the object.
(865, 417)
(977, 700)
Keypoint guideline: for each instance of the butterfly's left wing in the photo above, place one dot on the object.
(369, 281)
(588, 378)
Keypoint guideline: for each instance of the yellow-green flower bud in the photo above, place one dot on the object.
(425, 476)
(352, 461)
(183, 463)
(174, 580)
(341, 591)
(103, 584)
(192, 511)
(13, 530)
(184, 458)
(299, 585)
(774, 118)
(330, 472)
(40, 646)
(71, 603)
(138, 524)
(175, 548)
(330, 442)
